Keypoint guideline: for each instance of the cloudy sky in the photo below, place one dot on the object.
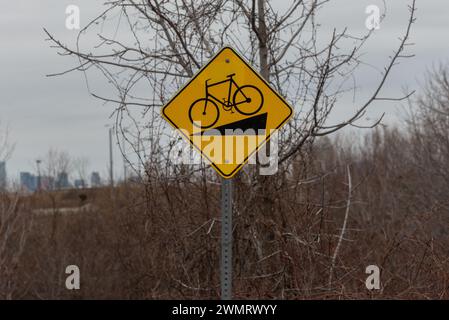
(45, 112)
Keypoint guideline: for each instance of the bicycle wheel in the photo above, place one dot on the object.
(248, 100)
(204, 113)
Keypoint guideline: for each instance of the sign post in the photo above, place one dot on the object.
(226, 239)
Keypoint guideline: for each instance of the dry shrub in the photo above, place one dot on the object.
(160, 239)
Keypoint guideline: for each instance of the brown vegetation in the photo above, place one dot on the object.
(333, 208)
(161, 239)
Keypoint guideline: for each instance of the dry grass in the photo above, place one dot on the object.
(161, 239)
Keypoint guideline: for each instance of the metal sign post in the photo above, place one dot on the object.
(226, 239)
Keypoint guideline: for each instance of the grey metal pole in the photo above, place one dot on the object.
(124, 157)
(111, 169)
(226, 239)
(38, 162)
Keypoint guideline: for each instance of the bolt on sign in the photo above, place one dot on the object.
(227, 111)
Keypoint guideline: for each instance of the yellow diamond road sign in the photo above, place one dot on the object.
(227, 111)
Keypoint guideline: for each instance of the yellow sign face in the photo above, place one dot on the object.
(227, 111)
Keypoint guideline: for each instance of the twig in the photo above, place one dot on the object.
(343, 228)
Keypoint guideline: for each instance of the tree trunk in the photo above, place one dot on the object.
(263, 39)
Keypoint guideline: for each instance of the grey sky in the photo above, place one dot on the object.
(58, 112)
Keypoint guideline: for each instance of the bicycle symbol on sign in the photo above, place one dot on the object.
(247, 100)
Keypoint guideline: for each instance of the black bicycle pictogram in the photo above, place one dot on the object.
(247, 100)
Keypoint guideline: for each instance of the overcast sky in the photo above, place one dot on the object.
(57, 112)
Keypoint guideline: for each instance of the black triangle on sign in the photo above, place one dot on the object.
(255, 125)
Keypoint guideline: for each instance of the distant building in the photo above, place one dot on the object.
(2, 175)
(28, 181)
(95, 180)
(62, 182)
(79, 183)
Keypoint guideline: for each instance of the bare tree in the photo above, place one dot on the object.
(147, 50)
(14, 228)
(428, 129)
(6, 147)
(55, 162)
(170, 40)
(8, 223)
(80, 166)
(15, 225)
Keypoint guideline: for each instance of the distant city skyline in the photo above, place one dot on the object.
(13, 176)
(65, 179)
(30, 182)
